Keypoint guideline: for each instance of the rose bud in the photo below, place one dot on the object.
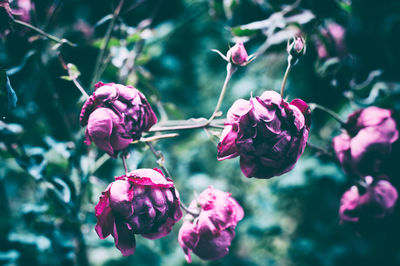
(296, 49)
(209, 233)
(267, 133)
(116, 115)
(367, 142)
(238, 55)
(141, 202)
(374, 201)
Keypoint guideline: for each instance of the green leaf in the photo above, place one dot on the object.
(133, 38)
(238, 31)
(66, 78)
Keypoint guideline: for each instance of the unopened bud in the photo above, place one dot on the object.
(238, 55)
(296, 49)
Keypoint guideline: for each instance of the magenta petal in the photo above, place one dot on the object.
(124, 239)
(373, 116)
(105, 218)
(99, 129)
(213, 248)
(188, 238)
(238, 109)
(149, 177)
(227, 147)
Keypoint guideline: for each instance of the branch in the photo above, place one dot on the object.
(99, 60)
(41, 32)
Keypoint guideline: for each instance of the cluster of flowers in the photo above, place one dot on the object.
(144, 201)
(269, 135)
(362, 150)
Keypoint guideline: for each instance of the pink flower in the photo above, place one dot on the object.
(267, 133)
(375, 202)
(367, 142)
(237, 54)
(141, 202)
(209, 235)
(332, 41)
(116, 115)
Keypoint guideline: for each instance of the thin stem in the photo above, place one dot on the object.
(230, 69)
(41, 32)
(186, 209)
(99, 60)
(77, 84)
(285, 77)
(320, 151)
(173, 125)
(160, 158)
(124, 163)
(328, 111)
(72, 76)
(154, 138)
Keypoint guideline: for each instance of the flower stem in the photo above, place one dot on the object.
(164, 136)
(187, 124)
(186, 209)
(285, 77)
(41, 32)
(124, 163)
(314, 106)
(160, 158)
(72, 76)
(97, 73)
(230, 69)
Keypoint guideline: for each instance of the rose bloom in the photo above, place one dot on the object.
(375, 202)
(115, 115)
(141, 202)
(267, 133)
(209, 233)
(367, 141)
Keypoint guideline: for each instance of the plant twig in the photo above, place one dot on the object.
(230, 70)
(314, 106)
(124, 163)
(285, 77)
(164, 136)
(41, 32)
(97, 73)
(187, 124)
(186, 209)
(160, 158)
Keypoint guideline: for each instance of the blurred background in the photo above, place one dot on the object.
(50, 180)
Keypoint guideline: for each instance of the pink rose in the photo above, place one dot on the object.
(141, 202)
(367, 142)
(375, 202)
(115, 115)
(209, 235)
(267, 133)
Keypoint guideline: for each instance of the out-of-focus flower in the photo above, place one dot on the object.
(367, 142)
(332, 43)
(141, 202)
(267, 133)
(23, 9)
(116, 115)
(376, 201)
(237, 54)
(209, 235)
